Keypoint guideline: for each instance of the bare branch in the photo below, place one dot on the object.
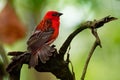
(89, 24)
(57, 65)
(96, 43)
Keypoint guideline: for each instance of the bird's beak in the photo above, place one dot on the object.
(59, 14)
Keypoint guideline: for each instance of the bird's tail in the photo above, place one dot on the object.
(42, 53)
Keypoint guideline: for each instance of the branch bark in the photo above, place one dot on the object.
(61, 69)
(96, 43)
(88, 24)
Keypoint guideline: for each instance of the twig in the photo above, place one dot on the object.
(96, 43)
(95, 24)
(69, 61)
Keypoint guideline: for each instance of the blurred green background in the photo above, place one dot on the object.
(105, 63)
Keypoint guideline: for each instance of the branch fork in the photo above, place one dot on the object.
(57, 65)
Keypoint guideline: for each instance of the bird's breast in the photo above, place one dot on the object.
(55, 26)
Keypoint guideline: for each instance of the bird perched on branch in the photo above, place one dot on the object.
(45, 33)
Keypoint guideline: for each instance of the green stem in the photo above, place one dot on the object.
(4, 62)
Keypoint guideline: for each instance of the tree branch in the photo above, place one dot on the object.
(56, 65)
(96, 43)
(88, 24)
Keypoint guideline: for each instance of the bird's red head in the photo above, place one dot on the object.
(53, 15)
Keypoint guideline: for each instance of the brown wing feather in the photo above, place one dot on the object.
(39, 39)
(41, 35)
(37, 44)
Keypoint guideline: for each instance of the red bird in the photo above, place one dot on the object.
(45, 33)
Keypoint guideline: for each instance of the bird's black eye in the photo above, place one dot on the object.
(55, 14)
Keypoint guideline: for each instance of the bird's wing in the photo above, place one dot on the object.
(39, 38)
